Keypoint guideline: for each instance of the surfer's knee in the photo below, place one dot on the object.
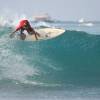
(22, 36)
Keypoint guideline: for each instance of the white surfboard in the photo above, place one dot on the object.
(45, 33)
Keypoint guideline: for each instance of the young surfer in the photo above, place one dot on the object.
(25, 25)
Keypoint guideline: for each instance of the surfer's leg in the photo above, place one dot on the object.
(22, 36)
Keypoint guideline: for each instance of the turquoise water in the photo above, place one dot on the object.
(63, 68)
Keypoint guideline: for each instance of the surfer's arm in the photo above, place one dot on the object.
(32, 31)
(12, 34)
(36, 34)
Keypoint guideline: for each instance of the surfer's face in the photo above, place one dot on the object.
(25, 26)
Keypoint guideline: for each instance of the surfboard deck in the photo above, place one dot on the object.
(45, 33)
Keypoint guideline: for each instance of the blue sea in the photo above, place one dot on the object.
(63, 68)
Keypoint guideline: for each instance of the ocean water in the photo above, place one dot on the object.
(63, 68)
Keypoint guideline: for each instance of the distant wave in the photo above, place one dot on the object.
(42, 25)
(86, 24)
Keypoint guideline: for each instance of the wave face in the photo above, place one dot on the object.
(64, 67)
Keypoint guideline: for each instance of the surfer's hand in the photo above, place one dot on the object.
(38, 34)
(11, 35)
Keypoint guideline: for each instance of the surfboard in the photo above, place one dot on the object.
(45, 33)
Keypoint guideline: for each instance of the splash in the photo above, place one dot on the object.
(13, 20)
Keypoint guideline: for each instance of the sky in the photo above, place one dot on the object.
(58, 9)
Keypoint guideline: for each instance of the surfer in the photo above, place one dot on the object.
(25, 25)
